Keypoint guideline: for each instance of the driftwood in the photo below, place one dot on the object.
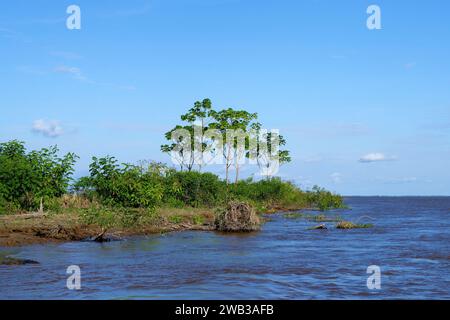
(8, 261)
(319, 227)
(101, 237)
(32, 215)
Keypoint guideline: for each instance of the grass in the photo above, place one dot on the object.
(322, 218)
(77, 224)
(311, 217)
(198, 219)
(176, 219)
(351, 225)
(294, 215)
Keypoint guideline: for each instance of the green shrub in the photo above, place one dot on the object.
(127, 186)
(3, 206)
(195, 189)
(26, 178)
(272, 192)
(294, 215)
(175, 219)
(198, 219)
(351, 225)
(323, 218)
(102, 217)
(324, 200)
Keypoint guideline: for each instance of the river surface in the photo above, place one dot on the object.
(410, 242)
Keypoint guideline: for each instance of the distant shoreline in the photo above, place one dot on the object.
(378, 196)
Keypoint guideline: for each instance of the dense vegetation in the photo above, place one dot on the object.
(26, 179)
(127, 192)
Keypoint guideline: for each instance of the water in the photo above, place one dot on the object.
(410, 243)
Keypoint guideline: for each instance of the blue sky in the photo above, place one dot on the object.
(337, 91)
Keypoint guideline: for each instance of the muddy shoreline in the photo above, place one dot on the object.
(36, 235)
(21, 230)
(33, 228)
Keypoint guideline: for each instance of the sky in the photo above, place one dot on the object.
(364, 112)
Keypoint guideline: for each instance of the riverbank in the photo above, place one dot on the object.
(37, 228)
(40, 228)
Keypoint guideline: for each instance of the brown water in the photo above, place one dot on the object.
(410, 243)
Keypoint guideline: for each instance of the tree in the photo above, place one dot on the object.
(28, 179)
(267, 151)
(190, 153)
(180, 149)
(233, 125)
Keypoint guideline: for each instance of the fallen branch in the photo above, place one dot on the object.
(101, 236)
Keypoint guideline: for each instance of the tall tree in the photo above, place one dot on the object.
(234, 126)
(191, 152)
(267, 152)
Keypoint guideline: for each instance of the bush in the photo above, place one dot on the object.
(198, 219)
(26, 178)
(351, 225)
(154, 184)
(175, 219)
(324, 200)
(269, 193)
(194, 188)
(125, 186)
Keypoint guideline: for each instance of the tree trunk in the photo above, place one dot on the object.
(226, 172)
(41, 207)
(228, 162)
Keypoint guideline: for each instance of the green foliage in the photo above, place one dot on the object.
(110, 217)
(126, 186)
(264, 153)
(351, 225)
(195, 189)
(322, 218)
(324, 200)
(239, 121)
(235, 134)
(26, 178)
(131, 186)
(175, 219)
(102, 217)
(198, 219)
(197, 119)
(272, 192)
(128, 194)
(294, 215)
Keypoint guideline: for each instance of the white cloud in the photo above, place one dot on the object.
(73, 71)
(77, 74)
(336, 177)
(376, 157)
(51, 129)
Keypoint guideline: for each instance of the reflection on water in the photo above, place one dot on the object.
(410, 242)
